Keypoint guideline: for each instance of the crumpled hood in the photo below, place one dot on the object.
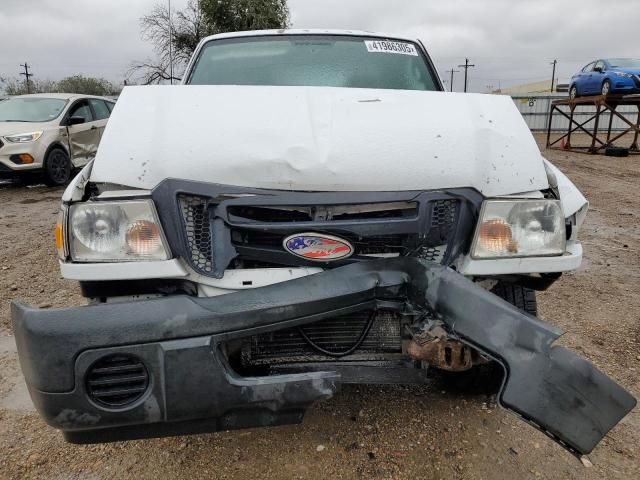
(319, 139)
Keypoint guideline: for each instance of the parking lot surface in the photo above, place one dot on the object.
(364, 432)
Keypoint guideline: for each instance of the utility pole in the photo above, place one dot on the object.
(170, 46)
(466, 67)
(27, 75)
(452, 71)
(553, 75)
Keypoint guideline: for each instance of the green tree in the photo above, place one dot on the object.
(73, 84)
(222, 16)
(86, 86)
(16, 86)
(179, 38)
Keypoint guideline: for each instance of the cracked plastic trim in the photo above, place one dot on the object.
(550, 387)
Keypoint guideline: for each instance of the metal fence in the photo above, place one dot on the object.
(535, 110)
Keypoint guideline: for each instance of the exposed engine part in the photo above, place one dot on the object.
(431, 344)
(444, 354)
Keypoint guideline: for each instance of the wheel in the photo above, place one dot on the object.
(57, 168)
(487, 379)
(606, 88)
(573, 92)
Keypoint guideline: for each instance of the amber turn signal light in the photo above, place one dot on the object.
(143, 238)
(496, 236)
(59, 235)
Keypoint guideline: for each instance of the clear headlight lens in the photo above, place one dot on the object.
(623, 74)
(520, 228)
(116, 232)
(24, 137)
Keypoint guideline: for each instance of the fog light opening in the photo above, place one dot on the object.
(22, 159)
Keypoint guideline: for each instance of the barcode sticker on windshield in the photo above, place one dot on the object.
(384, 46)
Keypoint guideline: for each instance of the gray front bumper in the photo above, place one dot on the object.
(192, 389)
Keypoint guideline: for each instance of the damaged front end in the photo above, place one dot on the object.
(176, 353)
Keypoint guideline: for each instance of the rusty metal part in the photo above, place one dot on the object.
(602, 104)
(444, 354)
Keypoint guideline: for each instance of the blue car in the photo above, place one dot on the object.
(602, 77)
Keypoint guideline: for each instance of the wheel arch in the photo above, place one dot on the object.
(573, 85)
(55, 144)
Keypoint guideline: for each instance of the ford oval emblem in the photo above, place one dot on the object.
(318, 247)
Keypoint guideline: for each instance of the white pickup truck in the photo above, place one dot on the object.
(309, 208)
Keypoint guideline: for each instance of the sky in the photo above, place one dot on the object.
(510, 42)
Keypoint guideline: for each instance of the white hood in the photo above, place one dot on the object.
(319, 139)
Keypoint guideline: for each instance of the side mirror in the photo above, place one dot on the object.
(598, 69)
(76, 121)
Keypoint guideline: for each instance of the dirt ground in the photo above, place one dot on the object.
(364, 432)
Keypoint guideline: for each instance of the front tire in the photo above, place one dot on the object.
(57, 168)
(518, 296)
(606, 88)
(573, 92)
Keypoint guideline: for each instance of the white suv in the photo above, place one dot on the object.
(51, 133)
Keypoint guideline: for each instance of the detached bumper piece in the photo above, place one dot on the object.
(157, 367)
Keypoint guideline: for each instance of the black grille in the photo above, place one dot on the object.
(251, 236)
(432, 254)
(370, 245)
(379, 244)
(198, 231)
(291, 214)
(444, 213)
(335, 335)
(117, 381)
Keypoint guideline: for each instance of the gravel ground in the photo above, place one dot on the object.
(364, 432)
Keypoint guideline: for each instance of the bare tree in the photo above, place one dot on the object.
(199, 19)
(179, 35)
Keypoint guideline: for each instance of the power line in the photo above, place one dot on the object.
(553, 75)
(466, 67)
(452, 71)
(27, 75)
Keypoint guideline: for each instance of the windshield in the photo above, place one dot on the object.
(317, 61)
(625, 62)
(31, 109)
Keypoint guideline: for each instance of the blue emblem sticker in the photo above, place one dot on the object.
(318, 247)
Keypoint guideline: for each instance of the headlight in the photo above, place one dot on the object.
(23, 137)
(520, 228)
(116, 232)
(623, 74)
